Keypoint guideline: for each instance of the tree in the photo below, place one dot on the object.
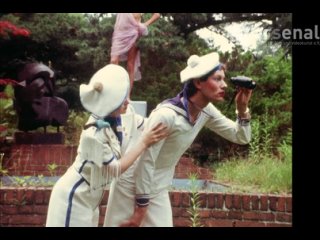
(8, 33)
(190, 22)
(77, 45)
(66, 42)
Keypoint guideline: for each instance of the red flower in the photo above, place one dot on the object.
(7, 27)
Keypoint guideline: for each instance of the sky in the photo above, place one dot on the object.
(247, 39)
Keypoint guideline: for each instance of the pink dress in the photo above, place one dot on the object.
(126, 32)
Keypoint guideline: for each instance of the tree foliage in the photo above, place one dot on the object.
(189, 22)
(77, 45)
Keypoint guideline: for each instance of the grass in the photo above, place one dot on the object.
(258, 174)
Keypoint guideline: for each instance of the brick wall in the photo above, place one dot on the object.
(23, 160)
(27, 207)
(33, 160)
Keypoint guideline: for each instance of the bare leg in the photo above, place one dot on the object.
(132, 53)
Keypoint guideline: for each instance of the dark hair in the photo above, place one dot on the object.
(191, 89)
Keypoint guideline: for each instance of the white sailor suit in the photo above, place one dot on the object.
(76, 196)
(151, 177)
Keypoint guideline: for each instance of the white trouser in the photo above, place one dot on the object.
(121, 205)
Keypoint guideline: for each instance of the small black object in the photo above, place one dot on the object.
(243, 81)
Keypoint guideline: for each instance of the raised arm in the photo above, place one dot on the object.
(154, 17)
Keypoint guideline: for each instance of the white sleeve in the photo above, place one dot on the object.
(93, 148)
(233, 131)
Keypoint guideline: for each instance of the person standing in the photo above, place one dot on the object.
(141, 198)
(127, 30)
(75, 198)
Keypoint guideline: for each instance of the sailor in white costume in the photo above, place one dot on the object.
(75, 198)
(140, 196)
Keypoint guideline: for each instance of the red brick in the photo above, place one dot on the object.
(39, 169)
(264, 203)
(39, 197)
(203, 200)
(204, 213)
(41, 209)
(228, 201)
(185, 161)
(8, 210)
(219, 214)
(26, 209)
(219, 200)
(47, 194)
(65, 156)
(249, 224)
(2, 193)
(4, 220)
(21, 196)
(55, 154)
(255, 202)
(27, 219)
(289, 204)
(185, 198)
(181, 222)
(235, 215)
(278, 224)
(28, 196)
(38, 155)
(251, 215)
(47, 159)
(259, 216)
(185, 212)
(27, 173)
(211, 200)
(176, 211)
(11, 196)
(284, 217)
(236, 199)
(219, 223)
(175, 198)
(281, 207)
(246, 202)
(273, 203)
(266, 217)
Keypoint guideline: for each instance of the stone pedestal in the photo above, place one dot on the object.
(140, 107)
(38, 138)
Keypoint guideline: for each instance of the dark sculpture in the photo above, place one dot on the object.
(35, 100)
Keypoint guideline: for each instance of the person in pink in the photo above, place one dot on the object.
(127, 30)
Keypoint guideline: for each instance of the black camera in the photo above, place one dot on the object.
(243, 81)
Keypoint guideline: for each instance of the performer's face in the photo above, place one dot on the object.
(214, 88)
